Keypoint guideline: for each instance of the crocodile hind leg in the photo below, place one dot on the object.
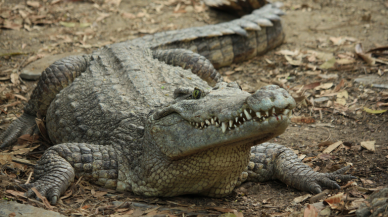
(58, 166)
(53, 79)
(187, 59)
(272, 161)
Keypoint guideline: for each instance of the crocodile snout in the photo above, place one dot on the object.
(271, 99)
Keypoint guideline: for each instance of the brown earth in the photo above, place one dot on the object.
(312, 28)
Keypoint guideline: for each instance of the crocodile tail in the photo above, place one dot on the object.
(187, 59)
(225, 43)
(54, 78)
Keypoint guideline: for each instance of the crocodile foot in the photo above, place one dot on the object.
(316, 181)
(52, 175)
(376, 205)
(25, 124)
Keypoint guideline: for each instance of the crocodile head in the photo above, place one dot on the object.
(224, 116)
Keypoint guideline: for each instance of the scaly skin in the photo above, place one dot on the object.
(376, 205)
(132, 122)
(225, 43)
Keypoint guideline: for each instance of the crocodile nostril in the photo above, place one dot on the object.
(272, 98)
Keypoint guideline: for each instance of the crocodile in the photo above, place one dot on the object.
(153, 116)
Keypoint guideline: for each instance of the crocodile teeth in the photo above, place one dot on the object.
(207, 122)
(273, 111)
(230, 123)
(236, 119)
(258, 114)
(217, 125)
(235, 126)
(240, 114)
(212, 120)
(286, 111)
(290, 114)
(249, 117)
(202, 124)
(223, 127)
(266, 113)
(239, 122)
(244, 119)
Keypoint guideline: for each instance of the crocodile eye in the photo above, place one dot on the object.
(197, 93)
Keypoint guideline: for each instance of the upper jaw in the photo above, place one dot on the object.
(241, 118)
(270, 101)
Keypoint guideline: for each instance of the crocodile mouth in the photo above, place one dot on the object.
(247, 115)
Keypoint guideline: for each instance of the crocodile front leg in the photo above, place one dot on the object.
(272, 161)
(187, 59)
(54, 78)
(59, 165)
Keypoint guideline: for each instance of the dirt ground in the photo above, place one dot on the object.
(317, 63)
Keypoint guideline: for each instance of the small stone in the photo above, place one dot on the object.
(8, 207)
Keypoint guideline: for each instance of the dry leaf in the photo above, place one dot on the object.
(366, 57)
(44, 199)
(34, 4)
(328, 76)
(300, 119)
(339, 86)
(229, 72)
(332, 147)
(5, 158)
(15, 78)
(345, 61)
(311, 86)
(301, 198)
(379, 104)
(310, 211)
(128, 15)
(99, 193)
(378, 49)
(328, 64)
(342, 97)
(16, 193)
(335, 201)
(287, 52)
(324, 86)
(374, 111)
(7, 24)
(148, 31)
(102, 16)
(366, 181)
(293, 62)
(337, 40)
(370, 145)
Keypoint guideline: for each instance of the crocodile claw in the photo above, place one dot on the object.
(52, 175)
(328, 180)
(25, 124)
(51, 190)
